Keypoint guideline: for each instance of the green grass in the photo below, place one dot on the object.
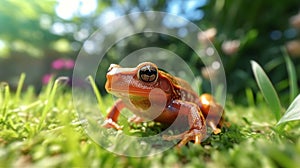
(44, 130)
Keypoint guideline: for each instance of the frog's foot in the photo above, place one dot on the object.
(191, 135)
(135, 119)
(109, 123)
(215, 129)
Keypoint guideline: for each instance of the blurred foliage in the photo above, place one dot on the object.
(24, 29)
(261, 27)
(257, 29)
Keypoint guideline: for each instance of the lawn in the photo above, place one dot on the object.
(44, 130)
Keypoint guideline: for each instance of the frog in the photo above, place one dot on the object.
(149, 92)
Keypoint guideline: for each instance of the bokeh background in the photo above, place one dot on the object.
(43, 38)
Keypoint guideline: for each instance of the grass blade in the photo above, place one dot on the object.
(19, 88)
(97, 93)
(250, 97)
(292, 113)
(4, 87)
(292, 75)
(267, 89)
(50, 99)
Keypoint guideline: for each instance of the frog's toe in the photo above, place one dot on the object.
(109, 123)
(215, 129)
(192, 135)
(172, 137)
(136, 119)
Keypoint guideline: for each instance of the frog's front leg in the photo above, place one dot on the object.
(113, 115)
(196, 121)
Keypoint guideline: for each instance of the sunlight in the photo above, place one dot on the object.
(2, 45)
(67, 9)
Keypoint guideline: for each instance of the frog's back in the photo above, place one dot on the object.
(182, 89)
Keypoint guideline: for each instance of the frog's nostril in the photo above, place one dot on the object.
(112, 66)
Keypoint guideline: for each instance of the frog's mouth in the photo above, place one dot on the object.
(128, 92)
(120, 88)
(154, 95)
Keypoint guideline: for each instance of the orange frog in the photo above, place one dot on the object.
(151, 93)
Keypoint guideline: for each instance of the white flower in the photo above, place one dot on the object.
(293, 48)
(207, 35)
(231, 47)
(208, 72)
(295, 21)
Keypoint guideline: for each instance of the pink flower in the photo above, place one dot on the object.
(62, 64)
(69, 63)
(58, 64)
(46, 78)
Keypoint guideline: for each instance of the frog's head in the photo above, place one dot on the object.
(138, 81)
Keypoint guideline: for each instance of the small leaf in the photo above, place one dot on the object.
(267, 89)
(292, 75)
(293, 112)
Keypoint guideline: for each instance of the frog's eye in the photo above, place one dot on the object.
(147, 73)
